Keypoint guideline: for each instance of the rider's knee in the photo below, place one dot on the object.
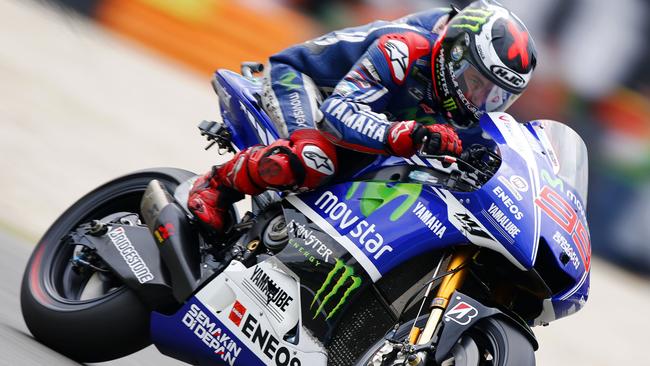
(306, 160)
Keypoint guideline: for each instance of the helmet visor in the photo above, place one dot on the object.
(478, 90)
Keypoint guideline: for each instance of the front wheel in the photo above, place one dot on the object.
(491, 342)
(89, 315)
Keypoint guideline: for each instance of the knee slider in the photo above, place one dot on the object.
(305, 161)
(276, 166)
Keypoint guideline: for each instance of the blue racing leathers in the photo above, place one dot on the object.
(370, 76)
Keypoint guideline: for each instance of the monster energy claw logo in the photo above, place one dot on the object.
(287, 80)
(345, 278)
(449, 104)
(473, 19)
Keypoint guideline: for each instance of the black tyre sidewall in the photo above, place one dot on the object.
(100, 329)
(512, 347)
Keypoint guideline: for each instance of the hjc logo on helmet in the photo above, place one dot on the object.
(507, 75)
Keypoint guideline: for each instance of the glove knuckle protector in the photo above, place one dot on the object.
(402, 138)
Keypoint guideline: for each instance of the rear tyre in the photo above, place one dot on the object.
(92, 316)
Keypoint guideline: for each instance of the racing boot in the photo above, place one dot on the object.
(304, 161)
(209, 200)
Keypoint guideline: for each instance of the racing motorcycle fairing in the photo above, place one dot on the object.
(345, 239)
(514, 213)
(564, 238)
(311, 296)
(505, 203)
(241, 110)
(558, 156)
(245, 315)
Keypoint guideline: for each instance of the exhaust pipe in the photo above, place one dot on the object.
(177, 242)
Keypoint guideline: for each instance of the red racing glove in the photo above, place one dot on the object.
(405, 138)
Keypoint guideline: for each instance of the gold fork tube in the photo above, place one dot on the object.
(447, 287)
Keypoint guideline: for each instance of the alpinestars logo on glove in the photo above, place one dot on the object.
(401, 128)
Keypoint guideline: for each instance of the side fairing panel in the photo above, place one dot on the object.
(381, 224)
(560, 221)
(333, 286)
(565, 232)
(244, 316)
(509, 206)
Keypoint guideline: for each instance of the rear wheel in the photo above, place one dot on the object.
(88, 314)
(491, 342)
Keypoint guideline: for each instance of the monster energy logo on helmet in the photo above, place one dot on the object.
(339, 284)
(473, 19)
(449, 104)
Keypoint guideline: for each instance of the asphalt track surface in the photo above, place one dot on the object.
(80, 106)
(17, 346)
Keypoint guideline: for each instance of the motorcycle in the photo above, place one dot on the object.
(427, 260)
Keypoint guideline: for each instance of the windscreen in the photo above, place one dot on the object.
(568, 154)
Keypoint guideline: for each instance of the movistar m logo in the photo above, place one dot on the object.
(287, 80)
(553, 181)
(473, 19)
(378, 195)
(339, 284)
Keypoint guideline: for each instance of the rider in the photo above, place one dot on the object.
(393, 86)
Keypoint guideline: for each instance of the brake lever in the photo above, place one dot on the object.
(446, 160)
(442, 157)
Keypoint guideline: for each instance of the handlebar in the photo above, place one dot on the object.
(477, 159)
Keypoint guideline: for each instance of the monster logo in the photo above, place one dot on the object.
(346, 280)
(449, 104)
(473, 19)
(377, 195)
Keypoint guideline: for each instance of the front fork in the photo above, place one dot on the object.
(460, 258)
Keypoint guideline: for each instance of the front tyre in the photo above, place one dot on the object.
(89, 316)
(495, 342)
(491, 342)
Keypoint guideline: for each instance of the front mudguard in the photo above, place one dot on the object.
(462, 314)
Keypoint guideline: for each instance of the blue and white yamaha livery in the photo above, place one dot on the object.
(431, 260)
